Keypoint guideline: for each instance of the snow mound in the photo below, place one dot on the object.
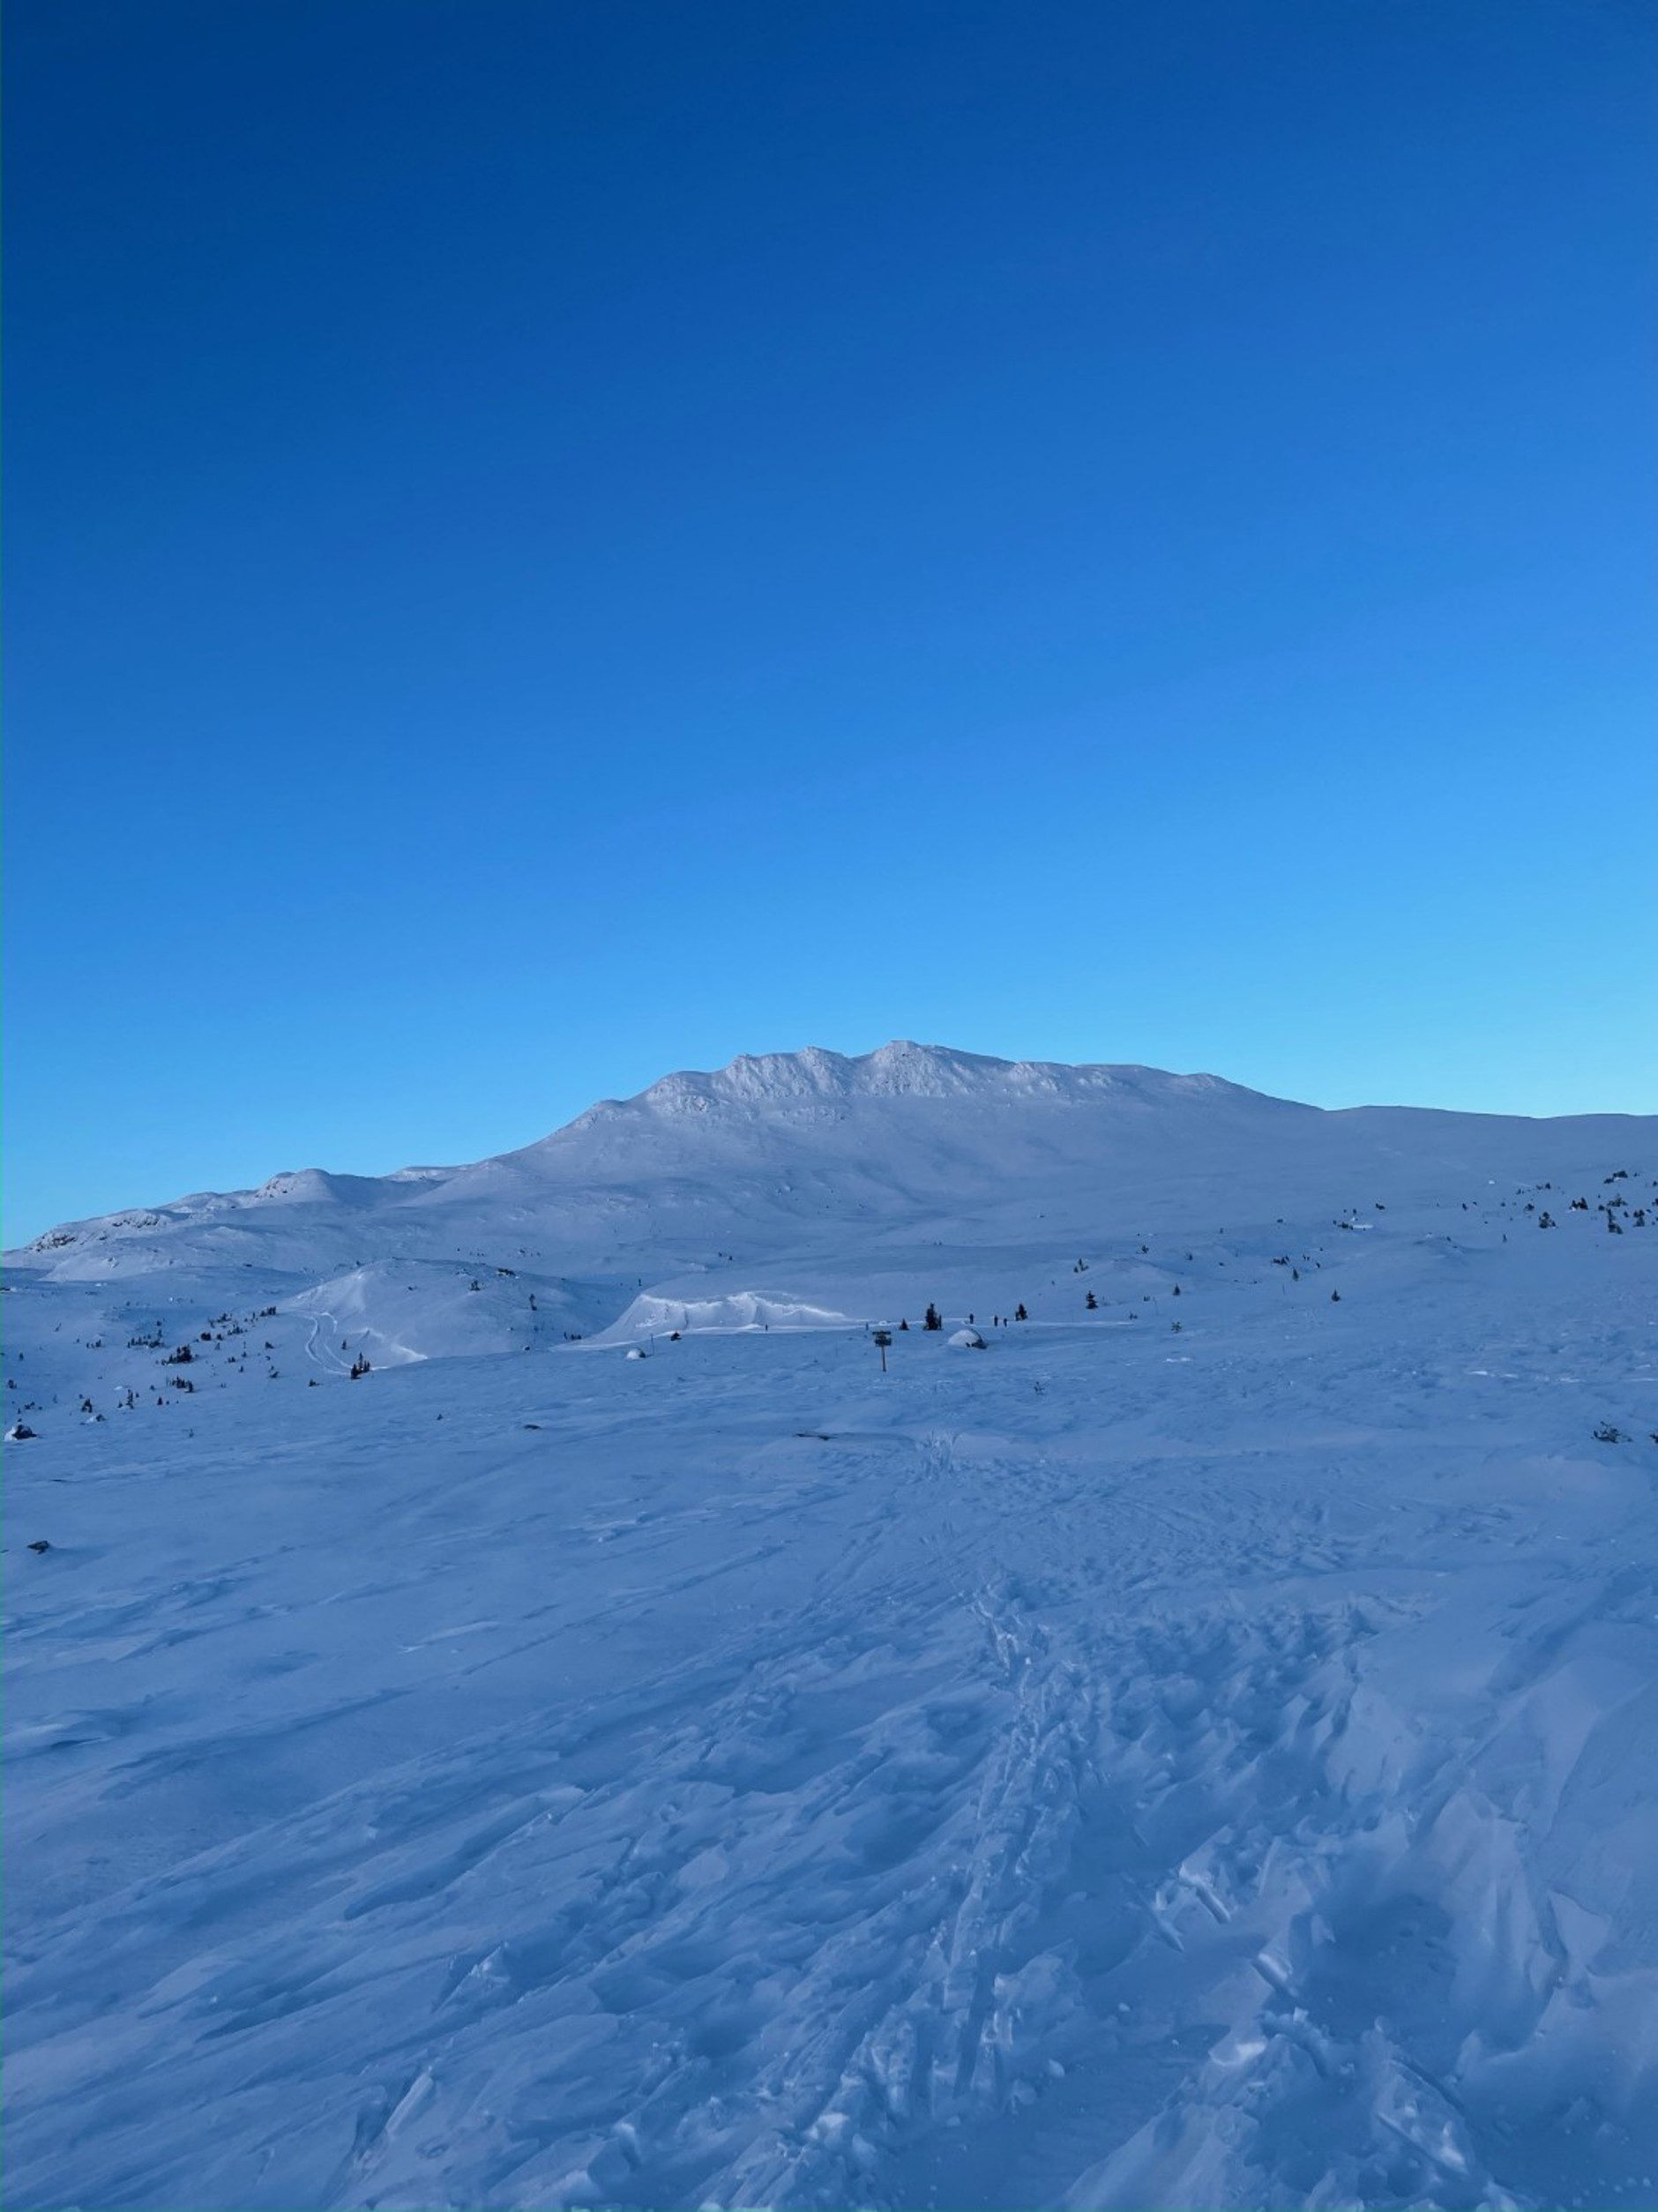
(394, 1312)
(651, 1313)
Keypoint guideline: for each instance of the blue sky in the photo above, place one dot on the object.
(547, 544)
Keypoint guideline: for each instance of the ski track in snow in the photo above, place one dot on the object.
(972, 1801)
(1083, 1772)
(334, 1362)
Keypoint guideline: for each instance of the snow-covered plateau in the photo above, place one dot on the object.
(1198, 1747)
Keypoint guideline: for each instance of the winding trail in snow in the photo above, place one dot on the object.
(335, 1364)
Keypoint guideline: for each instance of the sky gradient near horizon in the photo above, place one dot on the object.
(549, 544)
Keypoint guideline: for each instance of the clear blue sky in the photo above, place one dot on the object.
(547, 543)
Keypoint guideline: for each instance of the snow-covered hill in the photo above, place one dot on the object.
(1197, 1749)
(753, 1179)
(903, 1129)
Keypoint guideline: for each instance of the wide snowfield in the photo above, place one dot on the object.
(1125, 1767)
(1200, 1750)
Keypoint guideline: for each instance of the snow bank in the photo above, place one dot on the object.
(651, 1313)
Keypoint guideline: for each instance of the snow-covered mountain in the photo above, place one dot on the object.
(908, 1124)
(792, 1151)
(1180, 1733)
(800, 1187)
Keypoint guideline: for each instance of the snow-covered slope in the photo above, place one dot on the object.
(776, 1158)
(767, 1143)
(1199, 1749)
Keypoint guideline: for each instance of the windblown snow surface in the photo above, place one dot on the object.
(1198, 1750)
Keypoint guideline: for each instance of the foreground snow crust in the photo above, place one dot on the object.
(1123, 1766)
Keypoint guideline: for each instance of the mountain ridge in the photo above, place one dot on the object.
(814, 1075)
(905, 1069)
(774, 1151)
